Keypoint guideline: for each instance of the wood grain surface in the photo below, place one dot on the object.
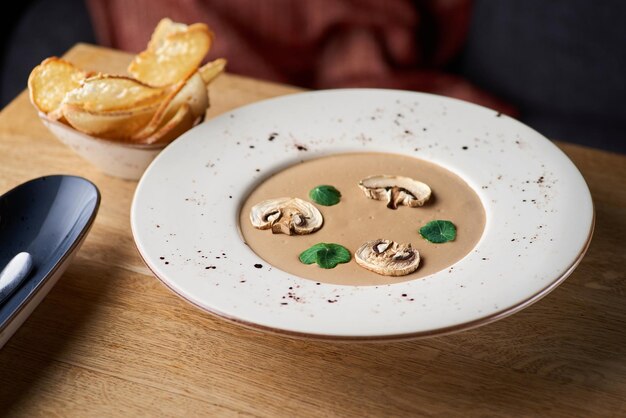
(110, 340)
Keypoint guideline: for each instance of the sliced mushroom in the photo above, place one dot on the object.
(286, 215)
(387, 257)
(396, 190)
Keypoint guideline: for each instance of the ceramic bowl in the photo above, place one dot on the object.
(185, 215)
(118, 159)
(48, 217)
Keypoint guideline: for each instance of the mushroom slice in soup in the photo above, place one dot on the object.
(387, 258)
(286, 215)
(396, 190)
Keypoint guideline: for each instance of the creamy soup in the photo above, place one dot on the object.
(357, 219)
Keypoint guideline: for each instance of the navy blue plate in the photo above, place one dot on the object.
(48, 217)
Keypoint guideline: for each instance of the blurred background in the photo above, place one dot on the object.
(559, 66)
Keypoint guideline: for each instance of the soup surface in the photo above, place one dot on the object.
(357, 219)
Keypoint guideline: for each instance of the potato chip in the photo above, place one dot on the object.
(165, 27)
(109, 93)
(211, 70)
(50, 81)
(181, 122)
(119, 125)
(172, 58)
(192, 92)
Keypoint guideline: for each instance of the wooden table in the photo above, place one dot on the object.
(111, 340)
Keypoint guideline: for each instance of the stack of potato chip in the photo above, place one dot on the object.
(165, 96)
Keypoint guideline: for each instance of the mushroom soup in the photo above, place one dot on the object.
(360, 216)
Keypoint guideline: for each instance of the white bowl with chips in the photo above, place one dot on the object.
(120, 159)
(120, 123)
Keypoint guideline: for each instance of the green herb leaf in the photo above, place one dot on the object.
(438, 231)
(310, 256)
(327, 256)
(325, 195)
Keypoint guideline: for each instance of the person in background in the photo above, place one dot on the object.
(316, 44)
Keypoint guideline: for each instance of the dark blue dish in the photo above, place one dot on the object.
(49, 218)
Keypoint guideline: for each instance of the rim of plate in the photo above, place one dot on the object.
(523, 180)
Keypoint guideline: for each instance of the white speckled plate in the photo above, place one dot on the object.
(185, 213)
